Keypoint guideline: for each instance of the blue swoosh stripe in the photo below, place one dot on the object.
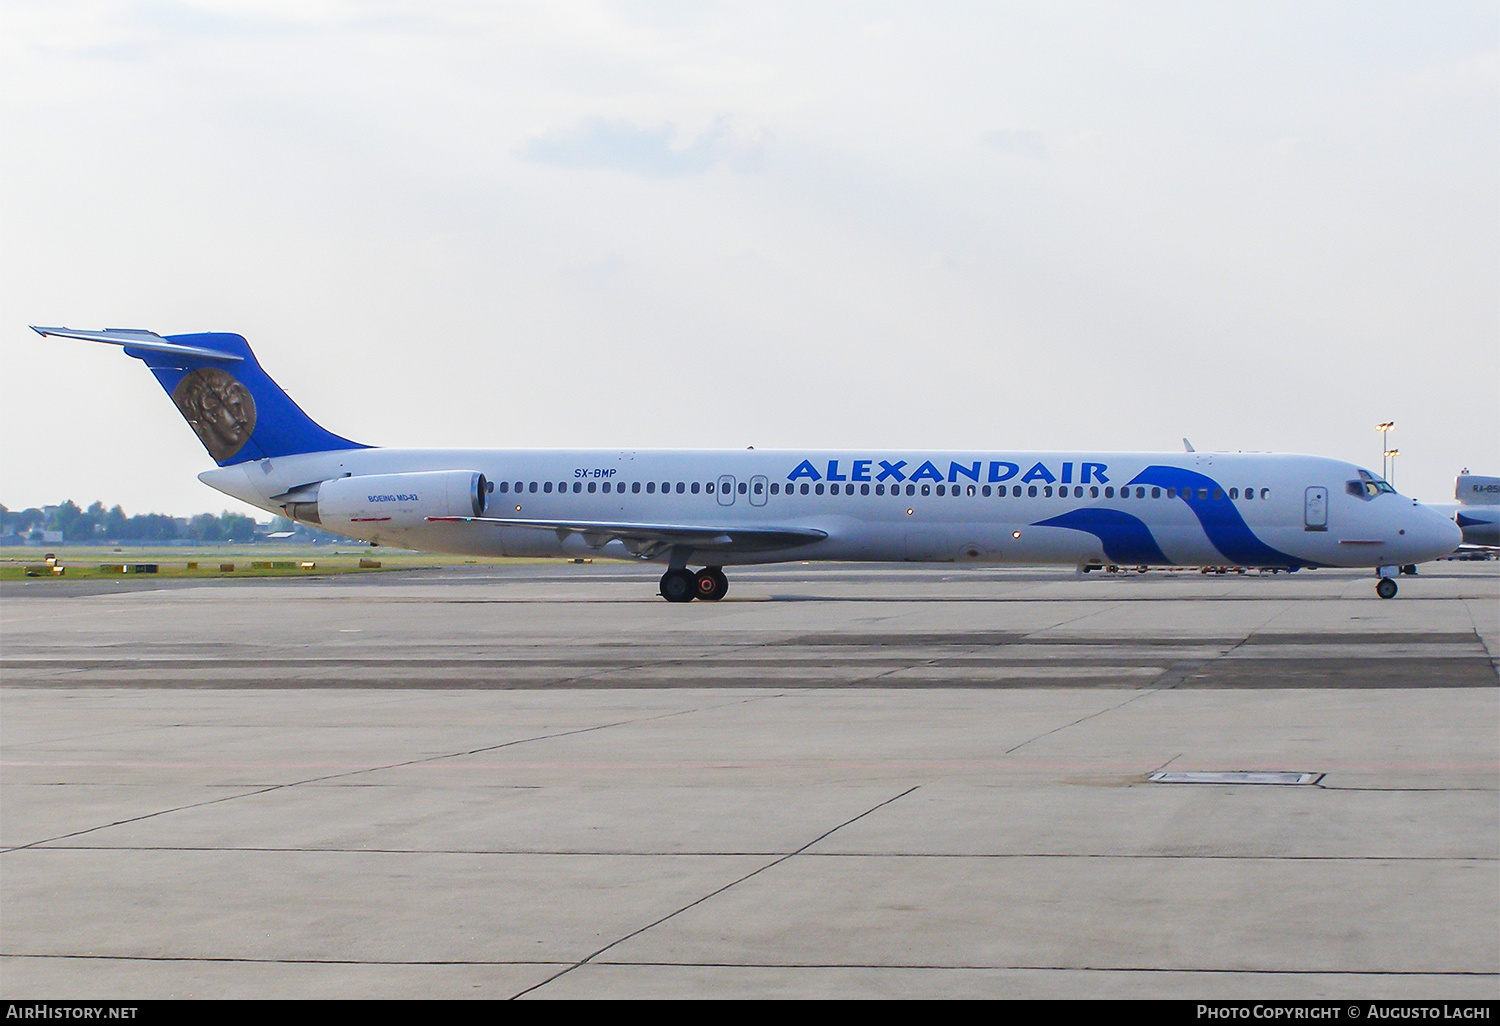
(1126, 539)
(1221, 521)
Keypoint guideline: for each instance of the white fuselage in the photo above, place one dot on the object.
(1246, 509)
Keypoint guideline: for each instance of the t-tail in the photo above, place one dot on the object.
(235, 408)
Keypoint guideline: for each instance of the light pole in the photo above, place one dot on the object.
(1385, 447)
(1391, 455)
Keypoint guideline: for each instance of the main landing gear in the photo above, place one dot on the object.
(683, 585)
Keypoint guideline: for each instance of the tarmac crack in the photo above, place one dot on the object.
(1083, 719)
(717, 891)
(1180, 672)
(605, 853)
(1494, 657)
(349, 773)
(707, 964)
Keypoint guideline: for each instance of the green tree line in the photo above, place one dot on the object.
(99, 524)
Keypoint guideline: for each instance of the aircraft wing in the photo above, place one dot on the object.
(649, 539)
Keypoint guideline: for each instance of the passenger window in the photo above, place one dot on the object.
(1031, 492)
(1140, 493)
(1218, 494)
(1016, 491)
(818, 488)
(1156, 493)
(504, 487)
(650, 487)
(759, 487)
(864, 489)
(592, 486)
(744, 488)
(1249, 494)
(520, 487)
(547, 487)
(940, 490)
(681, 487)
(708, 487)
(1093, 491)
(985, 491)
(1264, 492)
(775, 487)
(912, 489)
(635, 487)
(531, 487)
(926, 489)
(803, 489)
(1109, 492)
(1202, 494)
(880, 489)
(1234, 493)
(695, 487)
(970, 491)
(1047, 492)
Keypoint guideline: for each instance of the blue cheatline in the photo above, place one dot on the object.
(1126, 539)
(1221, 521)
(238, 412)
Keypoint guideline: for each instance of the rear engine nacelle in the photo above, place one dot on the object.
(393, 500)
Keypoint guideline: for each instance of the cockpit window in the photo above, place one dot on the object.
(1368, 486)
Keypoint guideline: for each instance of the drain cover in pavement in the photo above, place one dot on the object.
(1233, 777)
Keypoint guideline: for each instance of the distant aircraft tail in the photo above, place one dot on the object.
(235, 408)
(1474, 490)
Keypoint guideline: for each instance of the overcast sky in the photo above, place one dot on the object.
(994, 225)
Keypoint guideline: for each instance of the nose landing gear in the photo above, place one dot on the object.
(1386, 587)
(683, 585)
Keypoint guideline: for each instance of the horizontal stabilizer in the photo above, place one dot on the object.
(138, 338)
(597, 532)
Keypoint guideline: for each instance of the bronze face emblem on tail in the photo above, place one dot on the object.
(219, 408)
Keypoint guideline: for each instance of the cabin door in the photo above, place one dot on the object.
(1315, 509)
(726, 490)
(758, 490)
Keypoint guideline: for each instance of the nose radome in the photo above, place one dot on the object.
(1438, 532)
(1450, 535)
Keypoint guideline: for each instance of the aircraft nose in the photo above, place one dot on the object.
(1451, 536)
(1439, 535)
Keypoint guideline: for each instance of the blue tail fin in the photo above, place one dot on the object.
(235, 408)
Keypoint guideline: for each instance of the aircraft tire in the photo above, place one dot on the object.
(679, 586)
(711, 584)
(1386, 588)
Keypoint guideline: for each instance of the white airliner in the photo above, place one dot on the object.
(717, 508)
(1477, 511)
